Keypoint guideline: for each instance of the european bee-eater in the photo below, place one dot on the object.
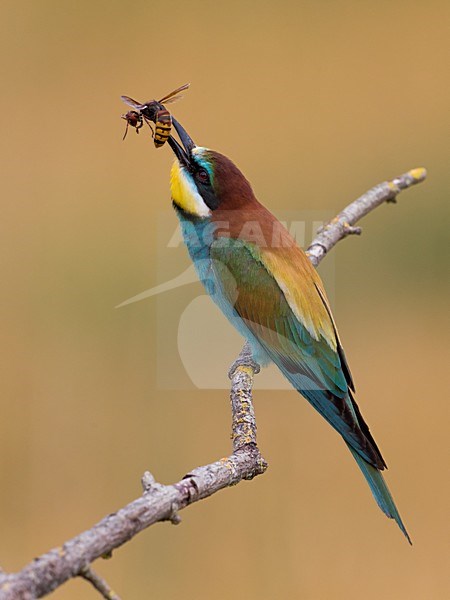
(267, 287)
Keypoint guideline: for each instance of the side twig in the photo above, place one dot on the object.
(99, 584)
(162, 502)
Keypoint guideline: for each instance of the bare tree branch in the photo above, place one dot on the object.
(162, 502)
(158, 502)
(343, 224)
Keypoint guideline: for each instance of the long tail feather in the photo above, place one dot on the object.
(379, 490)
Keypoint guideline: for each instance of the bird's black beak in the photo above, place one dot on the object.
(183, 153)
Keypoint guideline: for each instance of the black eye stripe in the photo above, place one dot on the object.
(204, 186)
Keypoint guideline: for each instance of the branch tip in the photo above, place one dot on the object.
(418, 174)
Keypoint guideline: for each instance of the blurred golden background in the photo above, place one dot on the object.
(316, 102)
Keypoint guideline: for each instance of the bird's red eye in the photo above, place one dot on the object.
(202, 175)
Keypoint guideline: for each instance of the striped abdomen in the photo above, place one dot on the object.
(163, 126)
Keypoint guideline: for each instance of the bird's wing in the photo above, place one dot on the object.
(305, 348)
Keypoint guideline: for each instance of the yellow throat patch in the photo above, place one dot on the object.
(184, 192)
